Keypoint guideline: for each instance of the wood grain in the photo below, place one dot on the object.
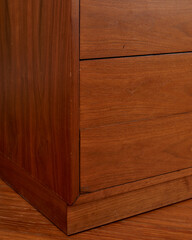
(121, 153)
(46, 201)
(111, 28)
(39, 117)
(74, 219)
(85, 198)
(39, 91)
(128, 204)
(19, 221)
(130, 89)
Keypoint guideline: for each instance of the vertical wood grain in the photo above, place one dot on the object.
(39, 89)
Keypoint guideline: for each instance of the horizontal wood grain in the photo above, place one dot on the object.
(116, 204)
(20, 221)
(121, 153)
(39, 91)
(120, 28)
(132, 186)
(95, 213)
(132, 152)
(129, 89)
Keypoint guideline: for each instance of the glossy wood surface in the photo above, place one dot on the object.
(86, 198)
(39, 108)
(120, 28)
(20, 221)
(131, 89)
(108, 205)
(128, 204)
(39, 93)
(121, 153)
(46, 201)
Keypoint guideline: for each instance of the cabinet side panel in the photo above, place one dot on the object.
(39, 91)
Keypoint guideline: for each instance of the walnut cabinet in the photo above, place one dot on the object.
(96, 106)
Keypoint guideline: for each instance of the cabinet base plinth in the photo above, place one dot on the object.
(102, 207)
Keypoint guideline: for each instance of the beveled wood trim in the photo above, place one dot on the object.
(109, 205)
(110, 209)
(132, 186)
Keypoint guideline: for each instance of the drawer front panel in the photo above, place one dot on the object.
(134, 27)
(128, 89)
(118, 154)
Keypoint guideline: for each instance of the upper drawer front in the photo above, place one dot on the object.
(128, 89)
(134, 27)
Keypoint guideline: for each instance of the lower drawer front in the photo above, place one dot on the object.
(116, 154)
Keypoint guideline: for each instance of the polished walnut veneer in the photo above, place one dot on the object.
(95, 106)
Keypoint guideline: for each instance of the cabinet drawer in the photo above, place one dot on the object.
(130, 89)
(117, 154)
(134, 27)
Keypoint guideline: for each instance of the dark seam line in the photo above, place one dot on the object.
(131, 56)
(79, 96)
